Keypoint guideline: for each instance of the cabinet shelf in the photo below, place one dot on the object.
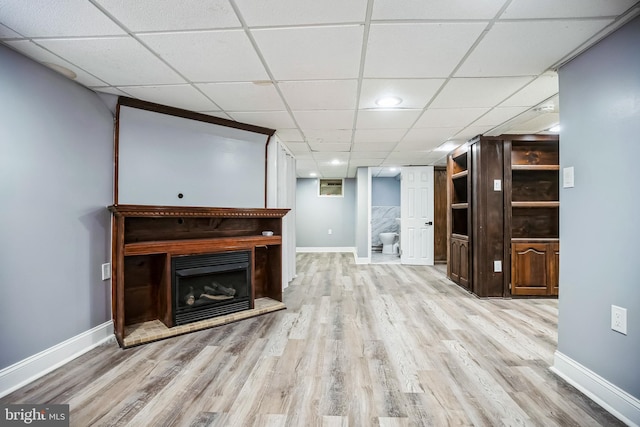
(459, 205)
(535, 204)
(194, 246)
(535, 167)
(460, 175)
(534, 240)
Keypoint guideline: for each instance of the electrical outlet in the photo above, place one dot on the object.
(106, 271)
(330, 231)
(497, 266)
(619, 319)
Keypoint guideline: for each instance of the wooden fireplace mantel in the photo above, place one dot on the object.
(144, 238)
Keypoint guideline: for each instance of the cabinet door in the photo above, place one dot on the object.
(454, 262)
(529, 269)
(464, 264)
(553, 265)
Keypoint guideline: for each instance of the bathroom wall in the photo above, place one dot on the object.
(385, 207)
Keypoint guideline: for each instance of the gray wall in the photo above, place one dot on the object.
(599, 226)
(56, 140)
(316, 215)
(385, 192)
(362, 212)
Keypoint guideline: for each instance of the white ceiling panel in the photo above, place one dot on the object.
(6, 33)
(371, 147)
(290, 135)
(209, 56)
(330, 146)
(498, 116)
(109, 89)
(46, 18)
(436, 9)
(337, 119)
(533, 9)
(471, 131)
(500, 53)
(243, 96)
(312, 53)
(418, 50)
(478, 92)
(110, 59)
(39, 54)
(327, 157)
(379, 135)
(164, 15)
(298, 12)
(298, 147)
(386, 119)
(320, 94)
(535, 92)
(269, 119)
(427, 138)
(181, 96)
(334, 171)
(405, 158)
(364, 162)
(415, 93)
(359, 155)
(449, 117)
(328, 135)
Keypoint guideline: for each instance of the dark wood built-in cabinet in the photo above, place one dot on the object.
(503, 217)
(145, 238)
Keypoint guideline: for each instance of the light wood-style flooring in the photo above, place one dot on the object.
(359, 345)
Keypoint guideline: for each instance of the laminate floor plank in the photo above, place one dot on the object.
(358, 345)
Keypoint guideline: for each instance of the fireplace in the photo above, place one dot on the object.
(210, 285)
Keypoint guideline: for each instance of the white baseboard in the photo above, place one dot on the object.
(22, 373)
(362, 259)
(612, 398)
(324, 249)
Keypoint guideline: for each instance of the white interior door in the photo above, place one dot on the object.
(416, 206)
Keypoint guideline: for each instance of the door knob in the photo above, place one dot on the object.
(428, 223)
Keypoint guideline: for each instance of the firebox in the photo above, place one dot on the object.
(210, 285)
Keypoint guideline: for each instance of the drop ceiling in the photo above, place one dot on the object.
(313, 70)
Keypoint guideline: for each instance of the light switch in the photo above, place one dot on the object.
(567, 177)
(497, 266)
(497, 185)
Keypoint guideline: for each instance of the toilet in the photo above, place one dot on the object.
(388, 239)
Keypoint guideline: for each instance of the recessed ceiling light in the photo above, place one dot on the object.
(313, 174)
(335, 162)
(393, 169)
(62, 70)
(388, 101)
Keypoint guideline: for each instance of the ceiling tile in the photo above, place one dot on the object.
(327, 157)
(330, 146)
(298, 147)
(405, 158)
(379, 135)
(298, 12)
(471, 131)
(7, 33)
(209, 56)
(364, 162)
(312, 53)
(268, 119)
(109, 89)
(220, 114)
(418, 50)
(535, 92)
(154, 15)
(320, 94)
(449, 117)
(336, 119)
(436, 9)
(328, 135)
(478, 92)
(118, 61)
(334, 171)
(536, 124)
(373, 147)
(43, 56)
(500, 53)
(386, 119)
(180, 96)
(534, 9)
(243, 96)
(362, 153)
(290, 135)
(498, 116)
(427, 138)
(45, 18)
(415, 93)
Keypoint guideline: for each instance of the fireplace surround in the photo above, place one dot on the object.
(148, 241)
